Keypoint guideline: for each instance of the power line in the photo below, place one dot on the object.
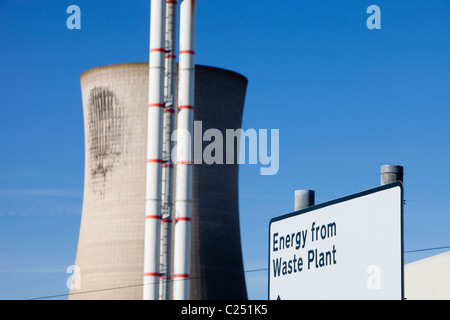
(196, 278)
(427, 249)
(129, 286)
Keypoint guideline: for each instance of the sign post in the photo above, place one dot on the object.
(349, 248)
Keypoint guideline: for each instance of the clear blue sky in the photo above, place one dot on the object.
(346, 100)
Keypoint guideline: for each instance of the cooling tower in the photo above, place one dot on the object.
(110, 252)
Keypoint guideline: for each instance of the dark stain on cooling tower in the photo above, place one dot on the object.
(105, 127)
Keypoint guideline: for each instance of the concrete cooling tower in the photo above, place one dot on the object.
(110, 253)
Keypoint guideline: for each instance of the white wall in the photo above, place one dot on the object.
(428, 279)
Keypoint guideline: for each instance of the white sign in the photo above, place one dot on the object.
(350, 248)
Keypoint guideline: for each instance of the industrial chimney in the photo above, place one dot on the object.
(110, 250)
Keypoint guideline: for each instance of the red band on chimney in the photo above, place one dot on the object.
(186, 107)
(159, 105)
(152, 274)
(181, 275)
(183, 219)
(187, 52)
(158, 50)
(186, 163)
(155, 161)
(153, 217)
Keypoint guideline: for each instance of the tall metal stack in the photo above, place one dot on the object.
(161, 96)
(185, 131)
(168, 166)
(154, 150)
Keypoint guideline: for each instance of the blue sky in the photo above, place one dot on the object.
(346, 100)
